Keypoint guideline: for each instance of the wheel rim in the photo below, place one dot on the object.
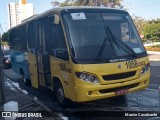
(60, 94)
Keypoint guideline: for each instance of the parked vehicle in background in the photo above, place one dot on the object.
(6, 59)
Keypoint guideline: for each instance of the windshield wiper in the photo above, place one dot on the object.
(108, 37)
(117, 41)
(111, 38)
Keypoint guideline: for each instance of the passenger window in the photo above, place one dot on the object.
(31, 38)
(125, 31)
(57, 43)
(18, 39)
(22, 38)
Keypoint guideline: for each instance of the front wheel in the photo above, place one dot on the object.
(59, 92)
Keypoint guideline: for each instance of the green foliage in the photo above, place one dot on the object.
(91, 3)
(154, 21)
(157, 46)
(5, 37)
(152, 31)
(140, 23)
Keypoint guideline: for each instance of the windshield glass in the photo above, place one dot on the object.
(102, 36)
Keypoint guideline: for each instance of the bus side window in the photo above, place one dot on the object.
(31, 37)
(17, 39)
(58, 47)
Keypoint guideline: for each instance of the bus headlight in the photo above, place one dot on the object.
(87, 77)
(145, 69)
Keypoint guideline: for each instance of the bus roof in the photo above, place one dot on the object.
(59, 9)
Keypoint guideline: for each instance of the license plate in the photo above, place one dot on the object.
(122, 91)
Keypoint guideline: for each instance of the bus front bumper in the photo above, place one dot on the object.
(97, 91)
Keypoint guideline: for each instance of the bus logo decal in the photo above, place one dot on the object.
(134, 64)
(64, 68)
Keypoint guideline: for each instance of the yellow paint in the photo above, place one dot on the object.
(77, 90)
(33, 70)
(67, 79)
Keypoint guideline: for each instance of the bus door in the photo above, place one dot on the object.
(32, 59)
(40, 38)
(42, 55)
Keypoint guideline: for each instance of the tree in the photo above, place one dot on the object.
(140, 23)
(5, 37)
(152, 31)
(105, 3)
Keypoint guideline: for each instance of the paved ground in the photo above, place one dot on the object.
(154, 58)
(26, 103)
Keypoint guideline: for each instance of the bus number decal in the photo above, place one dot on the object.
(133, 64)
(63, 68)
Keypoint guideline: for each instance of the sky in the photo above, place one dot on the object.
(147, 9)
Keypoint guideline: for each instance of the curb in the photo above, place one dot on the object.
(153, 52)
(151, 59)
(36, 102)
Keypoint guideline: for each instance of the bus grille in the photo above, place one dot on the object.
(119, 76)
(118, 88)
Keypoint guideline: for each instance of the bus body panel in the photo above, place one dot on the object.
(135, 83)
(64, 71)
(109, 70)
(77, 90)
(33, 70)
(19, 62)
(82, 91)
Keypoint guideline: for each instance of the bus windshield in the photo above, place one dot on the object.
(102, 36)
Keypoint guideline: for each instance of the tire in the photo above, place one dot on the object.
(59, 93)
(27, 82)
